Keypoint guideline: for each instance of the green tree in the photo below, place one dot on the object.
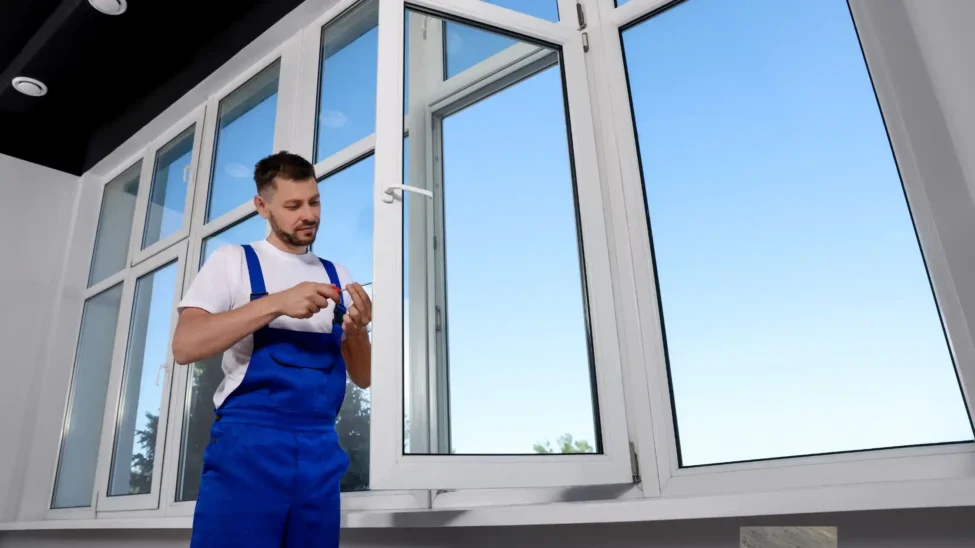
(206, 376)
(565, 444)
(352, 427)
(140, 480)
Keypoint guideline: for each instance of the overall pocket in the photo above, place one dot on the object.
(218, 447)
(306, 380)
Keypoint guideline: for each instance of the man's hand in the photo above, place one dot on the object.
(304, 300)
(360, 313)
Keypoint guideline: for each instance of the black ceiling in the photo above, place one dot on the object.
(108, 76)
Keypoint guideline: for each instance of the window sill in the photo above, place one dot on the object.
(850, 498)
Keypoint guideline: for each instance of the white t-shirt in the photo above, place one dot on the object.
(223, 284)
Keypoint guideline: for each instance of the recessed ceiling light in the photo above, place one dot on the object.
(29, 86)
(109, 7)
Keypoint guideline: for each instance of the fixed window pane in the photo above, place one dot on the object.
(543, 9)
(799, 317)
(82, 429)
(205, 376)
(245, 134)
(347, 212)
(508, 221)
(114, 225)
(167, 198)
(140, 403)
(347, 90)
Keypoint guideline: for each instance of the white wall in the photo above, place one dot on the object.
(948, 528)
(35, 216)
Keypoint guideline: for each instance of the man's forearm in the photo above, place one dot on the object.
(200, 335)
(357, 352)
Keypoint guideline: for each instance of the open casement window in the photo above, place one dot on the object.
(495, 351)
(801, 324)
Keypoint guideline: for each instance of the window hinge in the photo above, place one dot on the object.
(435, 243)
(635, 464)
(585, 42)
(437, 324)
(581, 14)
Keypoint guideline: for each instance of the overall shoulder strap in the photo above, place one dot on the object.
(333, 277)
(254, 271)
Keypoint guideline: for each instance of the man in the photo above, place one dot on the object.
(272, 469)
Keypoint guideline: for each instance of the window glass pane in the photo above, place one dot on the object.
(167, 200)
(86, 404)
(245, 134)
(544, 9)
(205, 376)
(465, 46)
(114, 225)
(347, 92)
(621, 2)
(799, 315)
(347, 222)
(137, 423)
(530, 247)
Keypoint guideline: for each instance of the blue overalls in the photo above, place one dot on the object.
(272, 470)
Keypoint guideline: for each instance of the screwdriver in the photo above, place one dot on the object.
(340, 310)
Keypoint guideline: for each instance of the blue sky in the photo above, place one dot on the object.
(798, 313)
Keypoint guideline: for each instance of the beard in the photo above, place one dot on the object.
(293, 238)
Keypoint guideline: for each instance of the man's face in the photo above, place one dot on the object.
(293, 209)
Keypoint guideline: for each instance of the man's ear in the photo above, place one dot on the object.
(260, 204)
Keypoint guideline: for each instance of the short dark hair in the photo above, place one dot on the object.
(281, 164)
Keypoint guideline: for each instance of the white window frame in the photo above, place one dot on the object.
(389, 467)
(91, 291)
(518, 62)
(146, 501)
(138, 254)
(103, 182)
(897, 465)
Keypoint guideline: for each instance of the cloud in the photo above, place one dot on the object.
(237, 171)
(333, 119)
(454, 42)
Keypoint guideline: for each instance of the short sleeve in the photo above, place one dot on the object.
(214, 287)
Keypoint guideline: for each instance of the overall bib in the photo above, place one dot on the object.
(272, 470)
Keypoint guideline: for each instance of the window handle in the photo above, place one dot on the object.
(388, 193)
(163, 369)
